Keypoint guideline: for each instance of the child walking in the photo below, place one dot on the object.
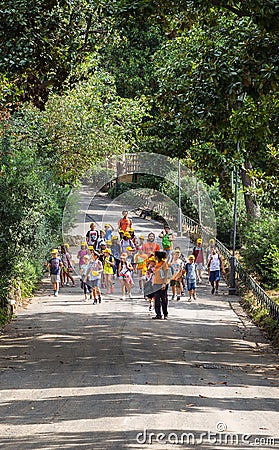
(83, 270)
(93, 276)
(108, 270)
(55, 266)
(191, 277)
(125, 270)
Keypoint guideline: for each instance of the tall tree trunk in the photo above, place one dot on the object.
(252, 207)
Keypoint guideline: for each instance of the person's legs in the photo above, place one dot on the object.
(85, 291)
(158, 304)
(128, 287)
(110, 284)
(164, 299)
(123, 290)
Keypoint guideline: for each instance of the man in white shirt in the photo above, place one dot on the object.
(215, 264)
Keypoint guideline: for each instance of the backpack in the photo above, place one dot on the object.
(166, 243)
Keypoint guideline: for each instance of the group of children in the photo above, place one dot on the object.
(106, 256)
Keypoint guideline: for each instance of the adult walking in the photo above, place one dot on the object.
(125, 222)
(150, 246)
(215, 264)
(92, 235)
(160, 285)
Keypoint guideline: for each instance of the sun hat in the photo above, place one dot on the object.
(107, 250)
(199, 240)
(90, 247)
(127, 234)
(130, 249)
(54, 250)
(191, 257)
(114, 237)
(141, 236)
(86, 257)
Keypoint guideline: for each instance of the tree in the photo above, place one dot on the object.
(201, 74)
(41, 42)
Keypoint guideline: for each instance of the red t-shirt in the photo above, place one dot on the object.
(150, 247)
(125, 224)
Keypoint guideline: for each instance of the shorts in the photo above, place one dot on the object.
(214, 275)
(55, 278)
(191, 285)
(94, 283)
(175, 283)
(199, 266)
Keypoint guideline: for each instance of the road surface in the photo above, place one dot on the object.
(74, 375)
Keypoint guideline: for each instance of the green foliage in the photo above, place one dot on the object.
(31, 202)
(119, 188)
(41, 42)
(89, 123)
(261, 251)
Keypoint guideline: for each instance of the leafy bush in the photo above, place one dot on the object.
(261, 250)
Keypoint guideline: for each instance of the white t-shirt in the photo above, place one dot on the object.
(215, 262)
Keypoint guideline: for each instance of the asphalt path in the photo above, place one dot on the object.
(74, 375)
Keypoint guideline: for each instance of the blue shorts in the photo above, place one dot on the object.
(214, 275)
(191, 285)
(95, 283)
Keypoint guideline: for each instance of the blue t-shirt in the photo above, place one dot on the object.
(191, 272)
(54, 266)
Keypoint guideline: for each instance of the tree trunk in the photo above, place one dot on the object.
(252, 207)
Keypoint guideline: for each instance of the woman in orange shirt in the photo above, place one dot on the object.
(160, 285)
(125, 223)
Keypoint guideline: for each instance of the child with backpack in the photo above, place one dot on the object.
(55, 266)
(108, 263)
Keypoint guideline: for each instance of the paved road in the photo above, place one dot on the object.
(78, 376)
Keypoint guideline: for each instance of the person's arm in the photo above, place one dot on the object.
(222, 264)
(101, 267)
(87, 273)
(161, 235)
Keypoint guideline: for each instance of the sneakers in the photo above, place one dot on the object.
(157, 317)
(212, 290)
(95, 301)
(165, 317)
(108, 291)
(100, 300)
(130, 295)
(55, 293)
(194, 297)
(123, 297)
(178, 298)
(216, 292)
(189, 299)
(173, 297)
(150, 308)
